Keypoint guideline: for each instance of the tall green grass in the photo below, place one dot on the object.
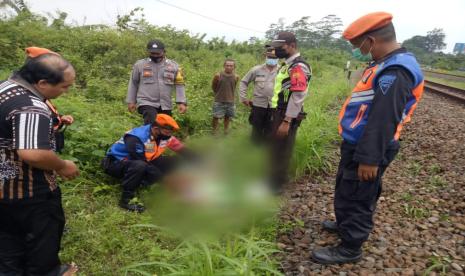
(457, 84)
(318, 133)
(233, 255)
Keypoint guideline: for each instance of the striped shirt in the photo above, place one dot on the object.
(25, 123)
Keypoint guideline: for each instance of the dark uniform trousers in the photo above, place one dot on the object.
(281, 149)
(355, 200)
(150, 112)
(30, 235)
(260, 119)
(136, 173)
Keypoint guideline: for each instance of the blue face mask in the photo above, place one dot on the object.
(271, 61)
(357, 54)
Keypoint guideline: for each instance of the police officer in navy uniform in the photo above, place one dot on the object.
(370, 123)
(152, 81)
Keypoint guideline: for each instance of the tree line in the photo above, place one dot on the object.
(326, 33)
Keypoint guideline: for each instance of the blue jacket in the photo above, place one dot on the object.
(354, 113)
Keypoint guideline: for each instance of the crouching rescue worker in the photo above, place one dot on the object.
(370, 123)
(137, 158)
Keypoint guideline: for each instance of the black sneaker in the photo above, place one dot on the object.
(330, 226)
(336, 255)
(132, 207)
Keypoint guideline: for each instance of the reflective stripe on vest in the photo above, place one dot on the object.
(356, 109)
(153, 151)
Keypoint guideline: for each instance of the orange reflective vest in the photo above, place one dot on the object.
(150, 148)
(354, 113)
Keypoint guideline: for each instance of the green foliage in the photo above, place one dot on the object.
(439, 264)
(416, 212)
(407, 196)
(322, 33)
(457, 84)
(436, 181)
(432, 42)
(233, 255)
(318, 132)
(414, 168)
(426, 49)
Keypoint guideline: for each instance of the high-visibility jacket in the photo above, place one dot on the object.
(292, 77)
(148, 146)
(354, 113)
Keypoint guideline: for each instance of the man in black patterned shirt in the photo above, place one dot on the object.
(31, 214)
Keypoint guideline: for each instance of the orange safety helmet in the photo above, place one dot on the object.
(166, 121)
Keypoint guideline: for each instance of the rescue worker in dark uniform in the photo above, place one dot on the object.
(290, 90)
(263, 77)
(31, 212)
(370, 122)
(138, 157)
(152, 81)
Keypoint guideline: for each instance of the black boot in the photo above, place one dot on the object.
(336, 255)
(330, 226)
(126, 203)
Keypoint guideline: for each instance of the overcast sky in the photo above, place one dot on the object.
(411, 17)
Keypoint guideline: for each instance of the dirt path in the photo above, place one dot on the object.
(421, 214)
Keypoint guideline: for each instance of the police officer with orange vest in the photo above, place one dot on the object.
(138, 158)
(370, 122)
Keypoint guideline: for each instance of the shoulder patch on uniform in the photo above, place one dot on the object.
(298, 79)
(385, 83)
(179, 79)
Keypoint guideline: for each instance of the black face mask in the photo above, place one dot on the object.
(157, 59)
(164, 137)
(281, 53)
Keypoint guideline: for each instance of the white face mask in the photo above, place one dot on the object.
(271, 61)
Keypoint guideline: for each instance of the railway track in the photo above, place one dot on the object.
(447, 76)
(453, 93)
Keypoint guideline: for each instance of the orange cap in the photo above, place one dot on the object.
(34, 52)
(368, 22)
(166, 121)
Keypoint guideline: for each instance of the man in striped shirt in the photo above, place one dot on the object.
(31, 215)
